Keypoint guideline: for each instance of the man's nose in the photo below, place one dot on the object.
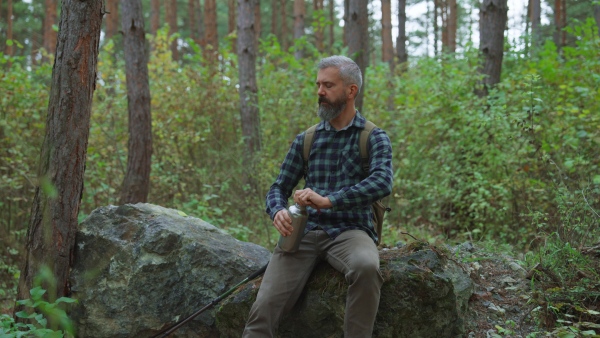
(321, 91)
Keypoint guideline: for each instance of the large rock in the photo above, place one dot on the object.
(425, 294)
(138, 268)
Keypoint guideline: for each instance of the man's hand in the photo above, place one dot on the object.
(309, 198)
(283, 222)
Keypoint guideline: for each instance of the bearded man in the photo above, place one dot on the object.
(338, 196)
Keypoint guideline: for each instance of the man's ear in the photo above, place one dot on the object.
(352, 91)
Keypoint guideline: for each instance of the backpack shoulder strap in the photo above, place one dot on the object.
(309, 138)
(364, 145)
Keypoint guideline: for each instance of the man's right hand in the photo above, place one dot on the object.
(283, 222)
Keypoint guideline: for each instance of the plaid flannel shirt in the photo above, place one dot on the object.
(334, 171)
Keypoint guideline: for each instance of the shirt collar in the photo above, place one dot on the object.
(358, 121)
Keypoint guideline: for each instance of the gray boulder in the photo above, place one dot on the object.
(138, 268)
(425, 294)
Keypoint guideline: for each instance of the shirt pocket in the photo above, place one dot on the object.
(349, 165)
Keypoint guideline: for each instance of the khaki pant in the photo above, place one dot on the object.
(353, 253)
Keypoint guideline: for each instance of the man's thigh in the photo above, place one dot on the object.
(351, 251)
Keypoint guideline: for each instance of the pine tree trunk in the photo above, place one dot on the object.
(112, 18)
(171, 19)
(53, 222)
(536, 15)
(452, 25)
(9, 30)
(248, 87)
(231, 22)
(284, 26)
(299, 13)
(136, 183)
(387, 47)
(210, 22)
(257, 23)
(274, 16)
(331, 25)
(346, 19)
(154, 16)
(49, 40)
(320, 29)
(358, 45)
(401, 39)
(597, 16)
(492, 21)
(192, 21)
(560, 21)
(436, 27)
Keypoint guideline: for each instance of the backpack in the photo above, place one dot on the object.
(378, 209)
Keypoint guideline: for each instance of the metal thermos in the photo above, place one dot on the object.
(299, 217)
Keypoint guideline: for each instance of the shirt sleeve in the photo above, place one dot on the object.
(379, 182)
(292, 170)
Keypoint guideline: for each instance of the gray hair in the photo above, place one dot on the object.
(349, 70)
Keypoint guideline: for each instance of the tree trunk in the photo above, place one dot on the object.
(9, 29)
(248, 88)
(492, 21)
(210, 22)
(319, 28)
(346, 19)
(452, 10)
(274, 15)
(257, 23)
(112, 19)
(171, 19)
(560, 21)
(401, 39)
(387, 47)
(358, 45)
(136, 183)
(597, 16)
(231, 22)
(536, 15)
(331, 25)
(284, 25)
(436, 27)
(49, 40)
(53, 222)
(192, 21)
(154, 16)
(299, 13)
(201, 25)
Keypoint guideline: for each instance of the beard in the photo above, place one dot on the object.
(328, 110)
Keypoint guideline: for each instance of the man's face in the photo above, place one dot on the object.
(332, 93)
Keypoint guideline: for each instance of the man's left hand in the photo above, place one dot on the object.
(307, 197)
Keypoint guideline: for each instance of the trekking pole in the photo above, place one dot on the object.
(182, 322)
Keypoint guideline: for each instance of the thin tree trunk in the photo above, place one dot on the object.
(136, 183)
(435, 27)
(257, 23)
(274, 15)
(171, 19)
(320, 29)
(210, 22)
(9, 29)
(331, 25)
(192, 21)
(49, 40)
(154, 16)
(443, 9)
(248, 86)
(201, 26)
(358, 46)
(387, 47)
(536, 15)
(53, 222)
(231, 22)
(528, 34)
(299, 13)
(112, 18)
(560, 20)
(401, 39)
(452, 24)
(284, 25)
(492, 21)
(597, 16)
(346, 19)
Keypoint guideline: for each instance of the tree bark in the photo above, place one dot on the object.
(49, 40)
(560, 21)
(452, 22)
(171, 19)
(274, 15)
(154, 16)
(597, 16)
(401, 39)
(53, 222)
(248, 86)
(192, 21)
(299, 13)
(331, 25)
(319, 28)
(210, 22)
(136, 183)
(9, 29)
(284, 26)
(346, 19)
(231, 22)
(492, 21)
(387, 47)
(112, 19)
(536, 15)
(436, 27)
(257, 23)
(358, 45)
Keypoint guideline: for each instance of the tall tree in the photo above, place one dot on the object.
(53, 222)
(210, 24)
(136, 183)
(193, 21)
(346, 19)
(492, 21)
(49, 39)
(274, 16)
(9, 28)
(331, 5)
(401, 39)
(436, 9)
(231, 22)
(560, 22)
(154, 16)
(387, 46)
(358, 45)
(284, 25)
(171, 19)
(319, 27)
(257, 22)
(451, 25)
(299, 13)
(247, 51)
(112, 19)
(536, 19)
(597, 16)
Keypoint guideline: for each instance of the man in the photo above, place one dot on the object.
(338, 196)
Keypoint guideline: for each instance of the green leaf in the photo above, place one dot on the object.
(65, 300)
(181, 213)
(37, 292)
(9, 42)
(597, 179)
(40, 319)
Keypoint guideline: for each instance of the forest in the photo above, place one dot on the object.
(492, 107)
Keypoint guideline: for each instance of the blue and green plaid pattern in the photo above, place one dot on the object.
(334, 171)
